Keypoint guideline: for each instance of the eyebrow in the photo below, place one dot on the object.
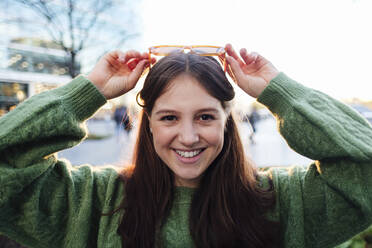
(170, 111)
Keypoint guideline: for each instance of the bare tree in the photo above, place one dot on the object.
(75, 25)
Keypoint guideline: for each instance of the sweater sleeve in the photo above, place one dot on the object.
(45, 202)
(329, 201)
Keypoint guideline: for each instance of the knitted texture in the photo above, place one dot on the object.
(46, 202)
(330, 201)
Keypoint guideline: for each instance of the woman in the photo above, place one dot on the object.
(190, 184)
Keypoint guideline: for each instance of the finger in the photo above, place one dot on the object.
(260, 60)
(132, 63)
(114, 56)
(129, 55)
(248, 58)
(145, 55)
(231, 52)
(118, 57)
(236, 70)
(137, 72)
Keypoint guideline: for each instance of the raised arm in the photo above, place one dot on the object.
(45, 202)
(330, 201)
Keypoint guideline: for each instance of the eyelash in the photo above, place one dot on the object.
(203, 117)
(210, 117)
(167, 118)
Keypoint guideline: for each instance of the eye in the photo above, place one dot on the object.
(168, 118)
(206, 117)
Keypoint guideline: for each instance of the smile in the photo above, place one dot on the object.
(189, 154)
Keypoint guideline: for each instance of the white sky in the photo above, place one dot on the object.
(324, 44)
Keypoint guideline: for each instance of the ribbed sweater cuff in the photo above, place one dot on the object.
(81, 98)
(281, 93)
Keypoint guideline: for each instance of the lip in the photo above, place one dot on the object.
(188, 150)
(188, 160)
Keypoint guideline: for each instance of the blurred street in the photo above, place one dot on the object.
(268, 148)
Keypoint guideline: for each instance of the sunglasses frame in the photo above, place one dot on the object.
(221, 55)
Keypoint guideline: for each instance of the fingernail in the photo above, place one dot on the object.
(255, 55)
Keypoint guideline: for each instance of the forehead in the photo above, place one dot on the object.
(185, 91)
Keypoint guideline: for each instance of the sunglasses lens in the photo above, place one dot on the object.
(165, 50)
(208, 50)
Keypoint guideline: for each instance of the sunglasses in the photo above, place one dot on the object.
(199, 50)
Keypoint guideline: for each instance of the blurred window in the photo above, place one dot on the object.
(11, 93)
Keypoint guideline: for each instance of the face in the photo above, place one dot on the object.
(187, 126)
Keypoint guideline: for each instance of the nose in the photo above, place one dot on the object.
(188, 134)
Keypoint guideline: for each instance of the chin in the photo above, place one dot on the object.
(187, 179)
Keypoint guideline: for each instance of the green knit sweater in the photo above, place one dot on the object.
(46, 202)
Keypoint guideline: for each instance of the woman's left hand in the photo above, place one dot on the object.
(251, 72)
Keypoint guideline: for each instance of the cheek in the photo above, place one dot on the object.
(161, 136)
(214, 136)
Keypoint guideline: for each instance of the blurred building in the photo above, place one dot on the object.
(33, 65)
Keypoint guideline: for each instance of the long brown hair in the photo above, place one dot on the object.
(228, 207)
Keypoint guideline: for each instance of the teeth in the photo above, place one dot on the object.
(188, 154)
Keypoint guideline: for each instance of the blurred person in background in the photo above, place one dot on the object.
(252, 119)
(190, 184)
(122, 120)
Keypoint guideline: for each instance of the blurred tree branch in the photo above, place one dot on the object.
(73, 24)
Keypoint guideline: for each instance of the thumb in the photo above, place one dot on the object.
(137, 72)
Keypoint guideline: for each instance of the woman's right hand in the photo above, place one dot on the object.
(117, 72)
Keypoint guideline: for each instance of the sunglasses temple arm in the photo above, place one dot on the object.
(223, 61)
(224, 64)
(149, 58)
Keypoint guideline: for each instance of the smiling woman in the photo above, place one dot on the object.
(190, 183)
(188, 137)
